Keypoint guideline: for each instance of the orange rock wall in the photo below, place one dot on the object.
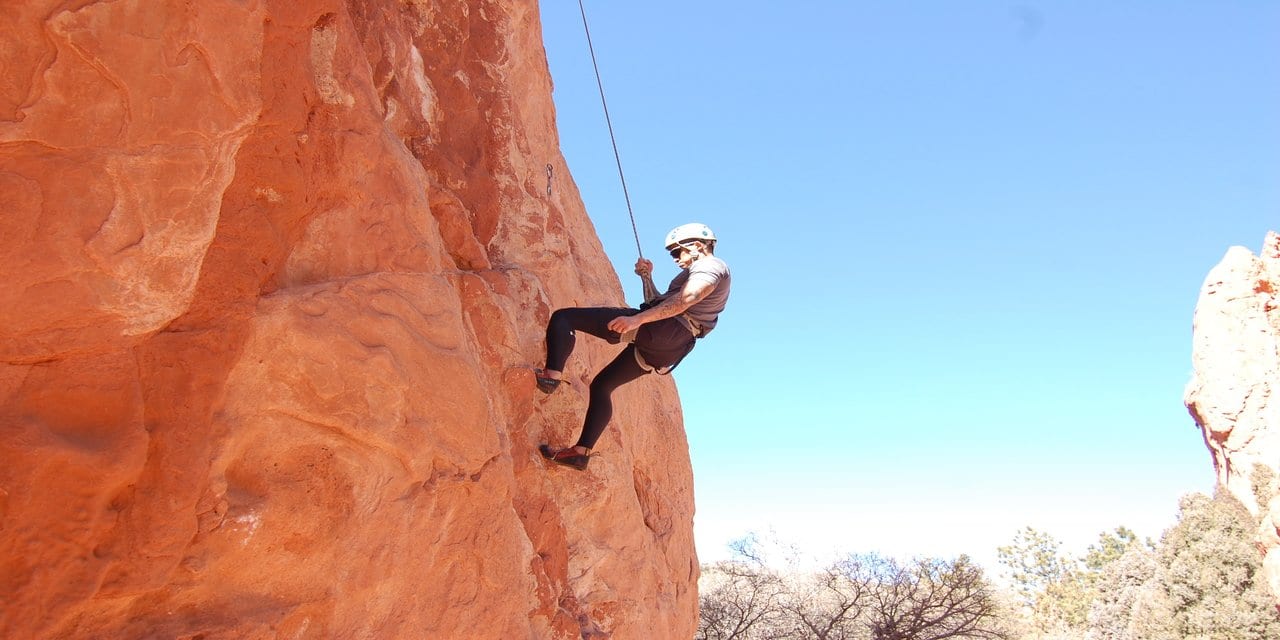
(274, 273)
(1234, 394)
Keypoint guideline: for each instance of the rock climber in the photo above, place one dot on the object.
(659, 334)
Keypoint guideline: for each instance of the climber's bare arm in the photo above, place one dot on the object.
(669, 308)
(644, 269)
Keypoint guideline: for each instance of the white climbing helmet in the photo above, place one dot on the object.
(687, 232)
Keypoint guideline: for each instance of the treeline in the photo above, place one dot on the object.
(1201, 580)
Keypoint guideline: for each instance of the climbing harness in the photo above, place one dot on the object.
(617, 158)
(662, 371)
(691, 325)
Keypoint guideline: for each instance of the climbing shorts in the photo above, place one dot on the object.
(663, 344)
(660, 345)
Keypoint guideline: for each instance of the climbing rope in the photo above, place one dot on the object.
(617, 158)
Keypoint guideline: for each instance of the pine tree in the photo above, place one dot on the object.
(1208, 583)
(1120, 601)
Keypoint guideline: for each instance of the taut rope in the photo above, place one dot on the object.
(617, 158)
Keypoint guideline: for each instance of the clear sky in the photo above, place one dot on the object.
(967, 240)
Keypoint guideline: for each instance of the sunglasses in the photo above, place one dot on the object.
(675, 253)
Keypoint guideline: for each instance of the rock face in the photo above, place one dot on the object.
(274, 275)
(1235, 393)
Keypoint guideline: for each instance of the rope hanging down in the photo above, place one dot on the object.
(609, 123)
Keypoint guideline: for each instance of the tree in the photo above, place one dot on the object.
(1120, 603)
(739, 598)
(828, 605)
(1110, 547)
(928, 599)
(1058, 590)
(1208, 582)
(1262, 481)
(859, 597)
(1035, 564)
(1052, 586)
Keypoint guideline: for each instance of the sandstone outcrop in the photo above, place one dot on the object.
(274, 275)
(1233, 393)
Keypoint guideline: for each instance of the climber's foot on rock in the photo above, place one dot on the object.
(570, 457)
(547, 381)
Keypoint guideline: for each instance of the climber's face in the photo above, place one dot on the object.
(685, 254)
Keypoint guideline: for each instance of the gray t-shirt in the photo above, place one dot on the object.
(713, 271)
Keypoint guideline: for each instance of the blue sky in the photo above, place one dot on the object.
(967, 240)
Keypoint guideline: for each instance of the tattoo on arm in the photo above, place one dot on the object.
(677, 304)
(650, 290)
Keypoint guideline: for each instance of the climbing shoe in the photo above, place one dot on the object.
(567, 457)
(545, 384)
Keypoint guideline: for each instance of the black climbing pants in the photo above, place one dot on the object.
(662, 344)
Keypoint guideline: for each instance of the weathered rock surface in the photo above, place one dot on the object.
(274, 273)
(1234, 394)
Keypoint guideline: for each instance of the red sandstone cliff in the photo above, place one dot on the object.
(1235, 393)
(273, 274)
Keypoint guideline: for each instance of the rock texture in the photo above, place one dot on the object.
(274, 275)
(1234, 395)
